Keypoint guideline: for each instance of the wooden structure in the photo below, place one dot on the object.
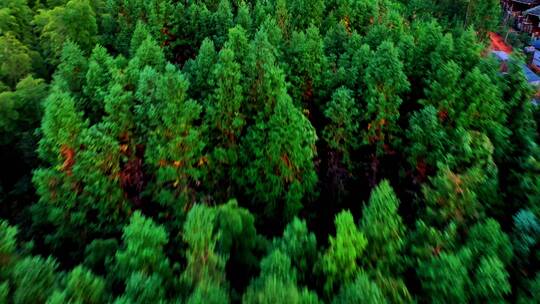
(516, 10)
(531, 23)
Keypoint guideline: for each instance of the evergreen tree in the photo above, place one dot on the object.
(71, 72)
(204, 263)
(97, 81)
(143, 288)
(33, 280)
(444, 279)
(277, 284)
(342, 132)
(277, 158)
(362, 290)
(491, 281)
(487, 239)
(82, 286)
(222, 20)
(453, 197)
(8, 246)
(340, 263)
(300, 246)
(383, 228)
(306, 62)
(385, 82)
(225, 118)
(428, 140)
(143, 253)
(199, 70)
(175, 146)
(244, 16)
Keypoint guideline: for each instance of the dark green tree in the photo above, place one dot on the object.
(33, 280)
(385, 81)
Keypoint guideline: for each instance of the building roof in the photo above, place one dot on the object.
(527, 1)
(502, 56)
(532, 78)
(498, 44)
(535, 11)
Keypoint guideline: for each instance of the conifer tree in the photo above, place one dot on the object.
(340, 263)
(491, 281)
(361, 290)
(71, 72)
(444, 279)
(82, 286)
(98, 77)
(277, 158)
(306, 62)
(277, 283)
(174, 149)
(300, 246)
(204, 263)
(487, 239)
(143, 252)
(143, 288)
(225, 118)
(244, 16)
(453, 197)
(385, 82)
(342, 132)
(58, 189)
(33, 280)
(222, 20)
(8, 246)
(382, 226)
(199, 70)
(428, 140)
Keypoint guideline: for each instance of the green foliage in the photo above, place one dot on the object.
(491, 281)
(169, 152)
(76, 21)
(444, 279)
(82, 286)
(175, 145)
(343, 130)
(16, 59)
(277, 284)
(526, 233)
(8, 244)
(452, 197)
(340, 263)
(72, 70)
(204, 263)
(361, 290)
(429, 142)
(382, 226)
(487, 239)
(143, 252)
(33, 280)
(208, 293)
(301, 247)
(143, 288)
(385, 81)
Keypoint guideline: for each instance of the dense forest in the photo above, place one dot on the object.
(264, 151)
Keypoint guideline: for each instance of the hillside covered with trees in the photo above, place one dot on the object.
(264, 151)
